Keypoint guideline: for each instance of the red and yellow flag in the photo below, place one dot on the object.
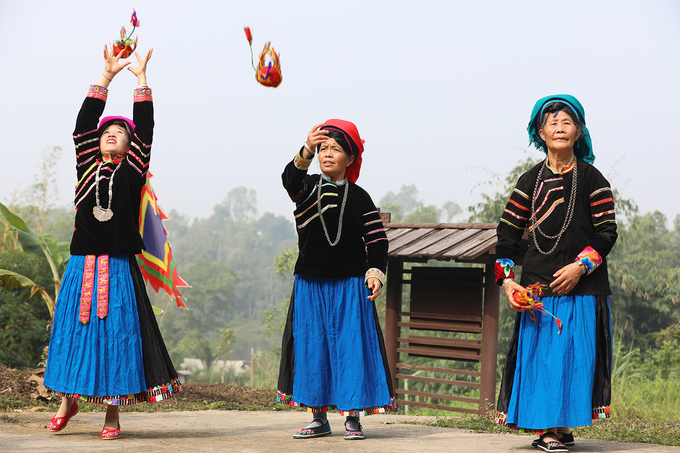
(156, 262)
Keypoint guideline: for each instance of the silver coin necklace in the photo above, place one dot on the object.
(100, 213)
(342, 212)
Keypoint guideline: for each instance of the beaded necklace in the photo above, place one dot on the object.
(535, 227)
(342, 213)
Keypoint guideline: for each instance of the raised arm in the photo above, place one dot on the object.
(293, 176)
(143, 106)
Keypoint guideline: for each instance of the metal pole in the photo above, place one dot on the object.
(395, 277)
(487, 391)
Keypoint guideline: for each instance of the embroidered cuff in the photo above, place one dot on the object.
(300, 163)
(590, 258)
(142, 94)
(505, 268)
(374, 272)
(98, 92)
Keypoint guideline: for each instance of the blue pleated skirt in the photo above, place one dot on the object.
(338, 359)
(554, 374)
(101, 359)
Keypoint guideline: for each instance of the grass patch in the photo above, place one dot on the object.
(194, 397)
(473, 422)
(633, 430)
(623, 430)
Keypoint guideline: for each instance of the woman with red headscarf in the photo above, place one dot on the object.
(333, 352)
(106, 346)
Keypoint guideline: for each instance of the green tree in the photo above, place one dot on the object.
(191, 333)
(490, 209)
(405, 206)
(644, 272)
(248, 245)
(24, 320)
(222, 349)
(46, 248)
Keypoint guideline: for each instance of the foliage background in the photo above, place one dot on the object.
(240, 262)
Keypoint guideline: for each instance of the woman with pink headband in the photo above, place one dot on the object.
(106, 346)
(333, 353)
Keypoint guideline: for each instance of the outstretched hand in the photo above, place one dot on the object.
(112, 65)
(140, 69)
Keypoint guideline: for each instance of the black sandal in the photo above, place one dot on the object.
(551, 445)
(566, 438)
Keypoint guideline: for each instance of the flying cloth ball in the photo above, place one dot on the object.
(268, 71)
(125, 44)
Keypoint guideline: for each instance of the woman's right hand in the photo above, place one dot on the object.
(315, 137)
(112, 66)
(511, 287)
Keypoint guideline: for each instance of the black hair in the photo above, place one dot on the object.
(556, 106)
(117, 122)
(348, 147)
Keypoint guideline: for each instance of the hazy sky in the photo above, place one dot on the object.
(440, 90)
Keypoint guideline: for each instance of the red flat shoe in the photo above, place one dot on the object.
(59, 423)
(110, 434)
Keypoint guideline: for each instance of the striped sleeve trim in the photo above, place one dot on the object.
(515, 212)
(375, 273)
(511, 224)
(602, 207)
(373, 228)
(521, 194)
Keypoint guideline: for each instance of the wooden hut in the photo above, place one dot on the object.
(443, 299)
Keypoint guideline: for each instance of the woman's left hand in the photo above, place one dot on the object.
(140, 69)
(566, 278)
(374, 285)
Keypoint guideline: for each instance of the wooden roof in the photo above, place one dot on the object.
(441, 241)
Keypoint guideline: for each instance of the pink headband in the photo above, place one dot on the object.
(108, 119)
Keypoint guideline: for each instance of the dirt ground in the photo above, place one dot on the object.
(260, 431)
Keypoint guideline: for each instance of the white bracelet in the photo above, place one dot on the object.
(144, 85)
(309, 150)
(505, 280)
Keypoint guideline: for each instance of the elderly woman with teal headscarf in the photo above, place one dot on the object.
(553, 379)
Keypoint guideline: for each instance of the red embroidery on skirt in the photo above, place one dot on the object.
(88, 287)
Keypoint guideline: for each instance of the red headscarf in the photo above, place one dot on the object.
(349, 130)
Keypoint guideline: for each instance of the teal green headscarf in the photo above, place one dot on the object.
(583, 148)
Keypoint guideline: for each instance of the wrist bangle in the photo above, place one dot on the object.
(584, 268)
(308, 149)
(144, 85)
(107, 77)
(505, 280)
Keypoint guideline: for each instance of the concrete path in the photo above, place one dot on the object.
(241, 431)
